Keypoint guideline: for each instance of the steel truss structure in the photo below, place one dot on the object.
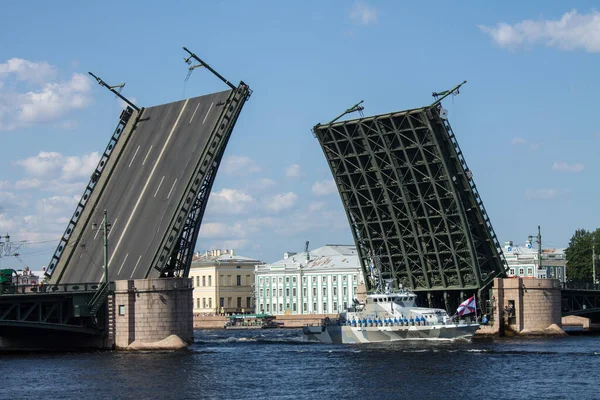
(174, 256)
(412, 204)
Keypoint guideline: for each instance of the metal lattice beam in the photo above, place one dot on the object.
(411, 201)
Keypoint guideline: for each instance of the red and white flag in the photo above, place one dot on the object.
(466, 307)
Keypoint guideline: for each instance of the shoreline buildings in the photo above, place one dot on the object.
(223, 282)
(321, 281)
(524, 261)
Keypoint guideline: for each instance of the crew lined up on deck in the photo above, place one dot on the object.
(402, 321)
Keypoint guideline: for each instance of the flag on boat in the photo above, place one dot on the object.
(466, 307)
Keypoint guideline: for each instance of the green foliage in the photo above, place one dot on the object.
(579, 255)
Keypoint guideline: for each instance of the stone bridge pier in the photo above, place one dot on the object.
(151, 314)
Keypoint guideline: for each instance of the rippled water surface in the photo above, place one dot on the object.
(277, 364)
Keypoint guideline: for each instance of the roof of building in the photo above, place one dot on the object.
(218, 256)
(328, 257)
(530, 251)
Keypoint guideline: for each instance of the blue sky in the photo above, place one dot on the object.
(525, 120)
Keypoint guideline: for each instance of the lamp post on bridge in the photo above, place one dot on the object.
(106, 229)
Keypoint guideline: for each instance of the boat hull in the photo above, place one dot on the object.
(336, 334)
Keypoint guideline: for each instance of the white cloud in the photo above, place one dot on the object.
(48, 164)
(323, 188)
(363, 14)
(316, 206)
(571, 32)
(56, 206)
(293, 171)
(25, 184)
(518, 140)
(236, 244)
(541, 194)
(221, 230)
(30, 71)
(42, 100)
(264, 183)
(239, 165)
(562, 166)
(280, 201)
(229, 201)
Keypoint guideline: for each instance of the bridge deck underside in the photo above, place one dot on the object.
(151, 190)
(410, 201)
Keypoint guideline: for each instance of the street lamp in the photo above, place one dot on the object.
(105, 228)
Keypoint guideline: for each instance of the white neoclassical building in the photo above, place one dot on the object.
(322, 281)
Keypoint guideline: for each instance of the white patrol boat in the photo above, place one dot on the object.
(387, 317)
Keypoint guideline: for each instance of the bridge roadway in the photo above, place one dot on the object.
(145, 188)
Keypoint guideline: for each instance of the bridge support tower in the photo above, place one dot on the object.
(151, 314)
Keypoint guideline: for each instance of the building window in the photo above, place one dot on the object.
(335, 306)
(229, 299)
(262, 308)
(204, 302)
(280, 307)
(239, 280)
(287, 306)
(324, 291)
(294, 280)
(261, 292)
(248, 280)
(268, 281)
(294, 292)
(267, 307)
(345, 305)
(314, 307)
(287, 279)
(203, 280)
(335, 292)
(198, 302)
(238, 267)
(221, 281)
(268, 292)
(354, 278)
(529, 271)
(121, 309)
(210, 302)
(324, 279)
(260, 280)
(280, 279)
(221, 301)
(197, 281)
(303, 279)
(334, 278)
(314, 279)
(210, 280)
(280, 292)
(324, 307)
(228, 280)
(512, 271)
(345, 291)
(248, 302)
(239, 302)
(287, 292)
(344, 278)
(304, 307)
(354, 290)
(294, 307)
(520, 271)
(305, 291)
(314, 292)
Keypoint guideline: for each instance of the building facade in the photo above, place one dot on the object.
(523, 261)
(322, 281)
(223, 282)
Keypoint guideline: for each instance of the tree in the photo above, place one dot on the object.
(579, 255)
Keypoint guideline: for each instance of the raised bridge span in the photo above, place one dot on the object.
(154, 180)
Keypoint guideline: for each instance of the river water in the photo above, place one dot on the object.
(276, 364)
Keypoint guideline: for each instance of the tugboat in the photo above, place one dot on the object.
(388, 316)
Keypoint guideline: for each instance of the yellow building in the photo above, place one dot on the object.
(223, 282)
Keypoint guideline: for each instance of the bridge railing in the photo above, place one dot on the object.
(46, 289)
(580, 286)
